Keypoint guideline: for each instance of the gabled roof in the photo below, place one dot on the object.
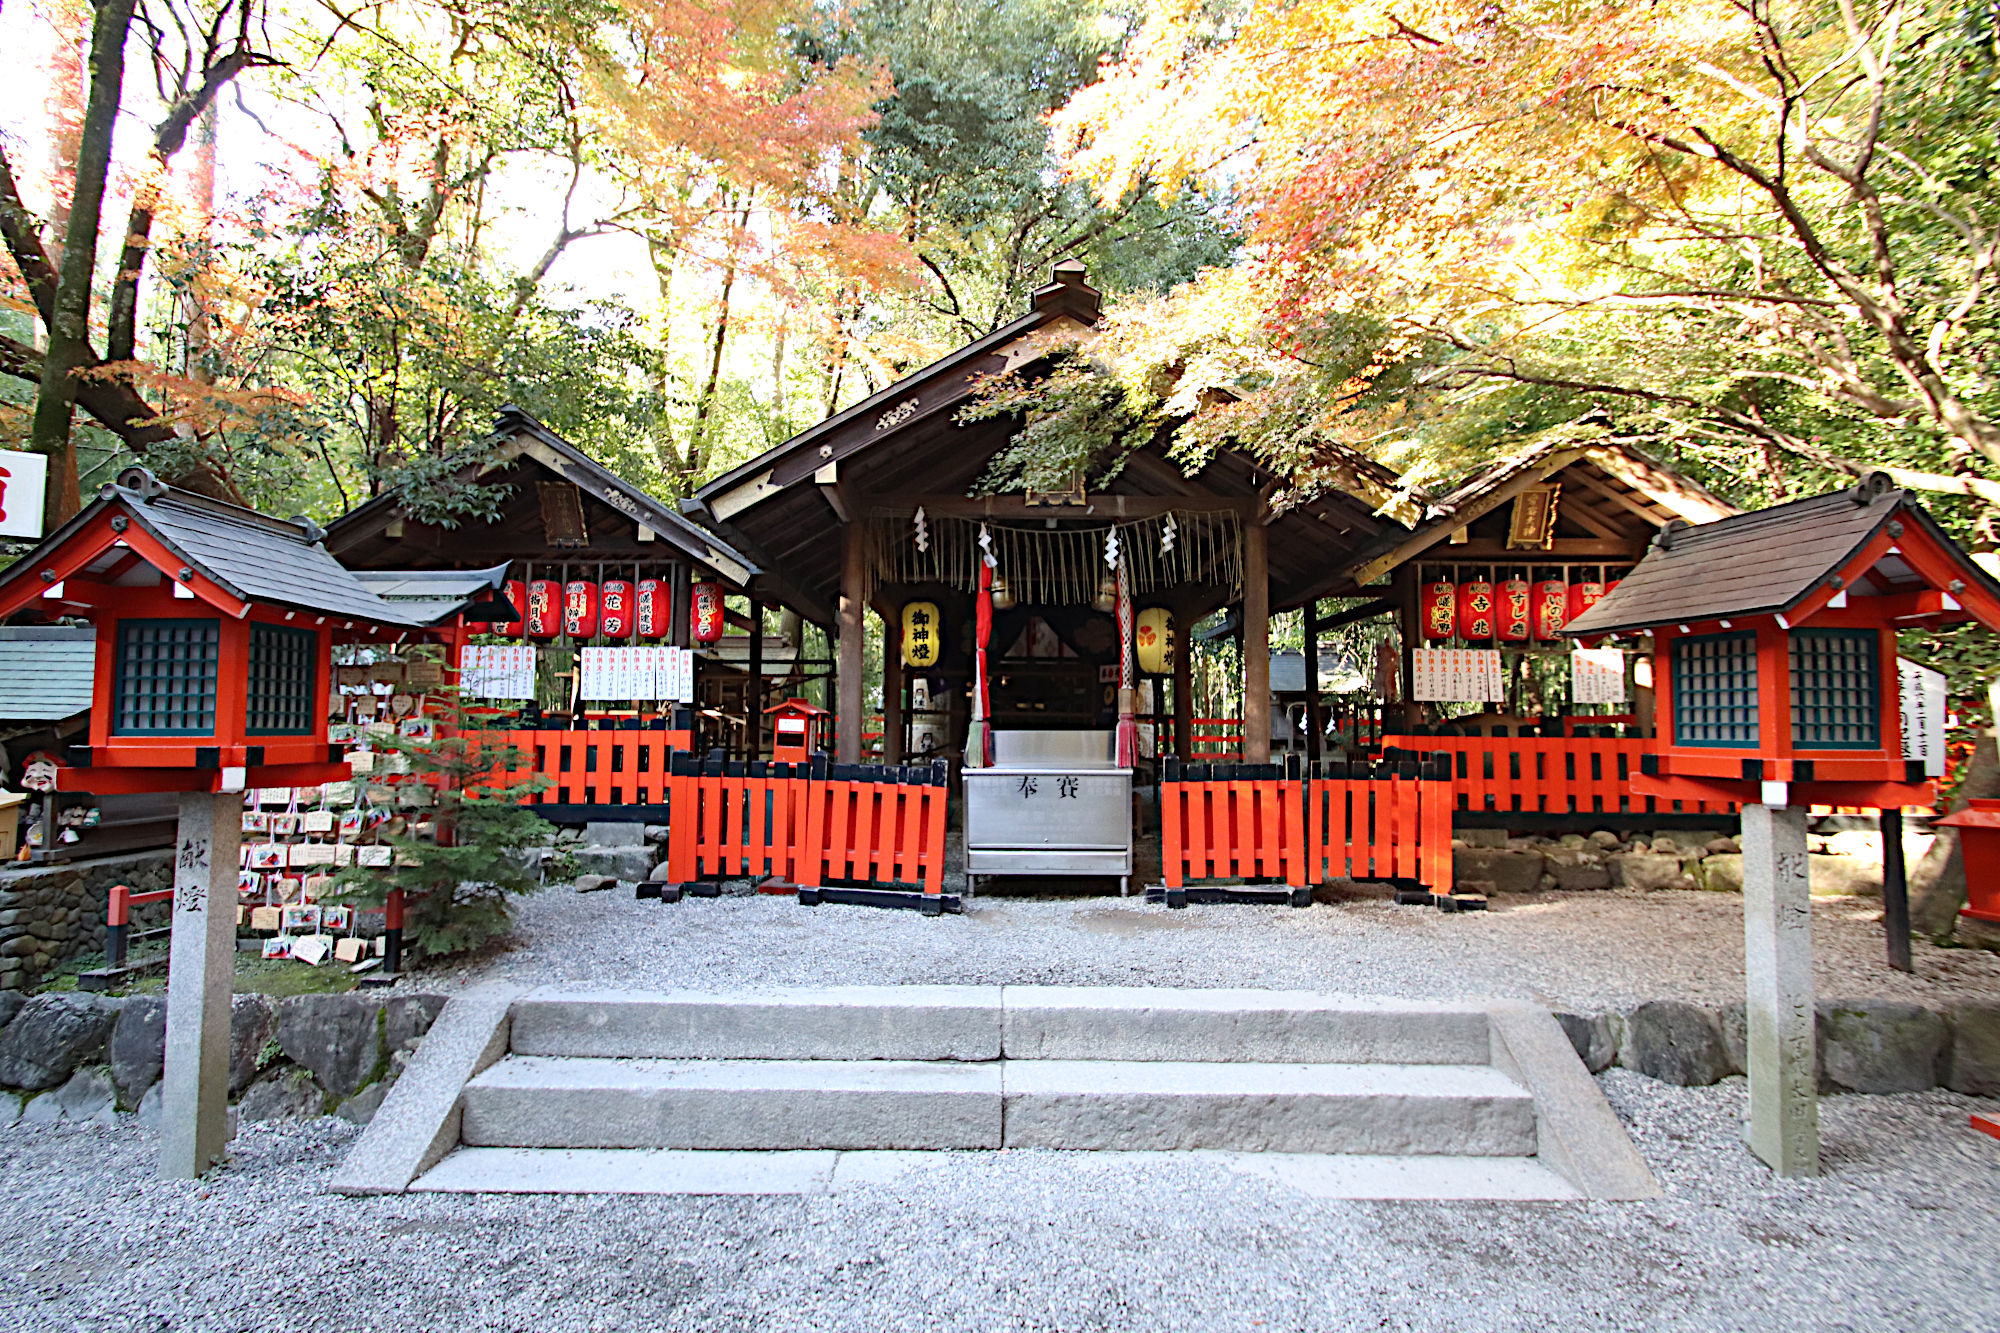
(913, 398)
(1609, 483)
(1774, 561)
(517, 435)
(45, 672)
(228, 555)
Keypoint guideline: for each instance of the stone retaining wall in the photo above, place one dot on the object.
(1863, 1045)
(80, 1056)
(50, 914)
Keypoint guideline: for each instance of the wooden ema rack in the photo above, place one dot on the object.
(838, 832)
(1294, 828)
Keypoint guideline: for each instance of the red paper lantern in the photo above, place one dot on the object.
(544, 616)
(1551, 609)
(517, 597)
(1516, 620)
(616, 621)
(707, 608)
(1583, 596)
(652, 609)
(580, 609)
(1476, 612)
(1440, 608)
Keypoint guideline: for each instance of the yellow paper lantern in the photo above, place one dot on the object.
(1153, 636)
(923, 634)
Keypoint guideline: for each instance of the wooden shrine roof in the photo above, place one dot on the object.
(244, 555)
(1772, 561)
(904, 447)
(1612, 498)
(620, 523)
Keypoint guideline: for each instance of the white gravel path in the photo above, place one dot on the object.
(1584, 951)
(1897, 1237)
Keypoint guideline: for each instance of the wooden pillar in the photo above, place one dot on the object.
(1404, 585)
(680, 615)
(1895, 892)
(1315, 724)
(753, 688)
(848, 667)
(1256, 644)
(892, 688)
(1183, 685)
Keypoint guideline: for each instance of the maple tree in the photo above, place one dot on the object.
(1765, 231)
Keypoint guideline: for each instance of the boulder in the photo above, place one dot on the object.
(656, 834)
(661, 874)
(1508, 872)
(1604, 840)
(287, 1094)
(627, 863)
(1573, 840)
(1480, 837)
(333, 1037)
(1722, 847)
(1879, 1046)
(1973, 1066)
(1674, 1042)
(51, 1036)
(1666, 846)
(1848, 875)
(1722, 873)
(10, 1004)
(138, 1046)
(361, 1107)
(149, 1109)
(1735, 1019)
(88, 1095)
(252, 1020)
(1595, 1038)
(1645, 870)
(406, 1018)
(614, 834)
(1576, 868)
(594, 883)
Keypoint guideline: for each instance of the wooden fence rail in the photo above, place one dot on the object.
(1547, 775)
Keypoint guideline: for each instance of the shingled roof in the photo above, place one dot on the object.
(250, 556)
(1764, 563)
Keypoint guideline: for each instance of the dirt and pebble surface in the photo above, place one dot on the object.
(1586, 950)
(1891, 1238)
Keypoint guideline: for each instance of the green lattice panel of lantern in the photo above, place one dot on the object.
(1715, 691)
(284, 667)
(1836, 694)
(166, 678)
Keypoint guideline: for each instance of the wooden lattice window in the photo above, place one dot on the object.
(284, 668)
(1715, 691)
(166, 678)
(1836, 696)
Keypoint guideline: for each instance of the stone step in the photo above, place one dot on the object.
(675, 1171)
(795, 1023)
(1463, 1110)
(1269, 1026)
(986, 1022)
(534, 1101)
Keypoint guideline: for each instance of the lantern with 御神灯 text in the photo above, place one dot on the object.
(1153, 640)
(923, 634)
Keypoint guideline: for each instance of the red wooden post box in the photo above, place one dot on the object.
(797, 729)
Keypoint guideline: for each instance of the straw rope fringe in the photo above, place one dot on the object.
(1062, 566)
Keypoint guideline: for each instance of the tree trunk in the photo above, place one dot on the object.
(69, 331)
(698, 440)
(201, 204)
(69, 24)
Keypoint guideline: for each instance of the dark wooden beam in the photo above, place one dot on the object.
(1094, 506)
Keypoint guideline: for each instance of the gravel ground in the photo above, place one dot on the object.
(1587, 951)
(1891, 1239)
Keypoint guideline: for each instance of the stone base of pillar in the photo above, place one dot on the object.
(1783, 1127)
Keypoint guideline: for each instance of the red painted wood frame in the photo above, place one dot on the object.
(882, 824)
(589, 767)
(1231, 821)
(731, 819)
(1380, 821)
(1550, 775)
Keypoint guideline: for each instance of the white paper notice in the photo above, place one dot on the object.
(1923, 709)
(1458, 675)
(1597, 676)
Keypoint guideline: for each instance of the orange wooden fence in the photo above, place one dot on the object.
(1230, 821)
(587, 767)
(1553, 775)
(1380, 821)
(1387, 821)
(816, 826)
